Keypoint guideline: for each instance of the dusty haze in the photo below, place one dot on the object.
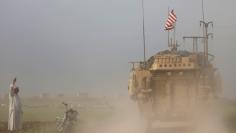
(62, 46)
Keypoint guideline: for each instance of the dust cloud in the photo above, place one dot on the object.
(126, 119)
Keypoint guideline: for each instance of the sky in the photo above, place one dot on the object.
(67, 46)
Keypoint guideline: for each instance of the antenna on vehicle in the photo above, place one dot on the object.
(144, 37)
(205, 34)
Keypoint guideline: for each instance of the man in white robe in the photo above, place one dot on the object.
(15, 111)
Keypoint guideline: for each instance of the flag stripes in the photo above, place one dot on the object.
(170, 21)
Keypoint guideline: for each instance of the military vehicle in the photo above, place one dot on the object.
(171, 84)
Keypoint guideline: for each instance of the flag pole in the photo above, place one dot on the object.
(168, 38)
(168, 30)
(170, 25)
(174, 38)
(175, 42)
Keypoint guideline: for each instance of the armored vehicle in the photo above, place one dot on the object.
(171, 84)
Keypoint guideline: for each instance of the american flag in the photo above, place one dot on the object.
(170, 21)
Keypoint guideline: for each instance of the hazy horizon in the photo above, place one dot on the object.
(68, 46)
